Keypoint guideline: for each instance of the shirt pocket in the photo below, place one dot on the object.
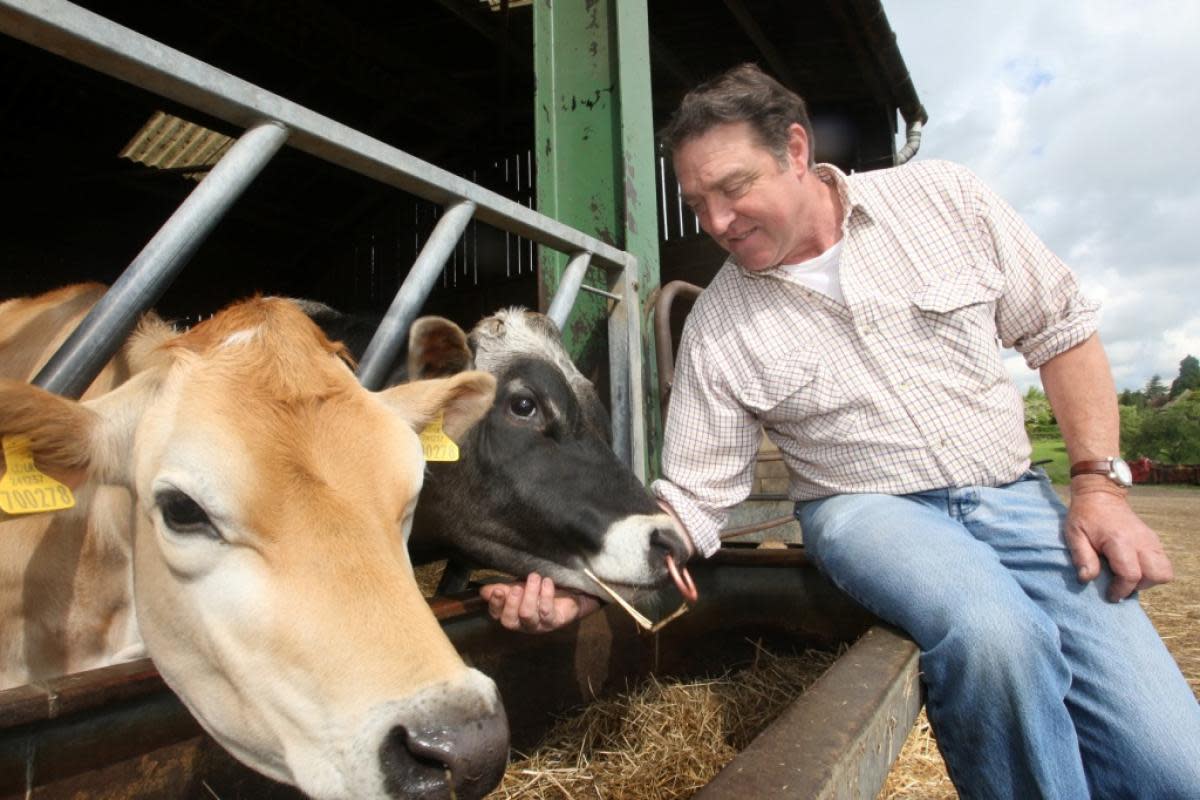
(956, 319)
(801, 398)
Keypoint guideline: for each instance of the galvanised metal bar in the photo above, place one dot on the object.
(89, 347)
(625, 345)
(599, 292)
(568, 289)
(86, 38)
(385, 344)
(662, 330)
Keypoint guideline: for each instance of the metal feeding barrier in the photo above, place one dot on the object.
(270, 121)
(120, 726)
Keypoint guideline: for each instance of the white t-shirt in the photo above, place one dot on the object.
(821, 272)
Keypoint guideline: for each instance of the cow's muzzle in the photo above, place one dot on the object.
(464, 761)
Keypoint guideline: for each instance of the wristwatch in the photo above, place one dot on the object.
(1115, 469)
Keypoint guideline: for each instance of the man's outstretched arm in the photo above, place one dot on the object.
(535, 606)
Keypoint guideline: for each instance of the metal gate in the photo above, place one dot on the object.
(270, 121)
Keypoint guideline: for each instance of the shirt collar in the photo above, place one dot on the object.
(851, 200)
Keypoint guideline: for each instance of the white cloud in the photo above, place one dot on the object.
(1080, 114)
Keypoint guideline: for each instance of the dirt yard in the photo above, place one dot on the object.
(919, 773)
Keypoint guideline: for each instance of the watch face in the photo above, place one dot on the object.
(1121, 472)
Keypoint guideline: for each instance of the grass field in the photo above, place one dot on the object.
(1059, 468)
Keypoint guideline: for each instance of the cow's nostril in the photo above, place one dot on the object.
(427, 761)
(410, 774)
(668, 540)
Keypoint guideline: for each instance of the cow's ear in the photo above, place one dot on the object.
(436, 348)
(462, 399)
(120, 413)
(71, 440)
(59, 431)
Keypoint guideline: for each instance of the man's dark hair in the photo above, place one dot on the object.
(742, 94)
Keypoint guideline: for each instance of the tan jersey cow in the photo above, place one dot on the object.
(255, 501)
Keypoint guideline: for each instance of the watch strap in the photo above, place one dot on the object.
(1103, 467)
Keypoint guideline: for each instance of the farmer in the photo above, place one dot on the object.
(856, 322)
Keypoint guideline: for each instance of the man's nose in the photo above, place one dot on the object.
(717, 219)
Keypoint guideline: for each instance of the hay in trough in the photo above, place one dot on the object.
(428, 576)
(662, 738)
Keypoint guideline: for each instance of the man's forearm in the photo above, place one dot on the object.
(1079, 386)
(1100, 523)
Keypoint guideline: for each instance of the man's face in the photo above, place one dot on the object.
(746, 201)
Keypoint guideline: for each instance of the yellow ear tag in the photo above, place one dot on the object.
(25, 490)
(436, 445)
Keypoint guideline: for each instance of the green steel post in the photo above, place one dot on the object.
(596, 162)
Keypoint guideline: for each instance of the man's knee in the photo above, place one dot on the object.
(991, 642)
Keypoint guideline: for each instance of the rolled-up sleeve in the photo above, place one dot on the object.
(1042, 311)
(709, 447)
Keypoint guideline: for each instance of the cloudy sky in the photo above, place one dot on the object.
(1083, 114)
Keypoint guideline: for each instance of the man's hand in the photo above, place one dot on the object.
(1101, 523)
(535, 606)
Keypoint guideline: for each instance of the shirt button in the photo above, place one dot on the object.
(868, 329)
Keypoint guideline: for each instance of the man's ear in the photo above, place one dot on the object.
(463, 399)
(798, 147)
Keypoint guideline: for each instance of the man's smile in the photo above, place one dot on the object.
(740, 236)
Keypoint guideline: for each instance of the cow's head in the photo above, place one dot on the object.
(538, 487)
(272, 584)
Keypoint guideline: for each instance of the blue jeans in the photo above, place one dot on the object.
(1036, 685)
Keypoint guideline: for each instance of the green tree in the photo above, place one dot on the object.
(1170, 435)
(1132, 397)
(1156, 393)
(1132, 417)
(1037, 408)
(1188, 378)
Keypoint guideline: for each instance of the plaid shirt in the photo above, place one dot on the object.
(903, 388)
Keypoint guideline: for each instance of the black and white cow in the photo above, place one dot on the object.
(537, 487)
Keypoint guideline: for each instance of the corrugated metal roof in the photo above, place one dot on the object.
(171, 143)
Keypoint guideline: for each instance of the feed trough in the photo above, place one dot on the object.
(119, 732)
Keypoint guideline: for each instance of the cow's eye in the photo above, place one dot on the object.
(524, 407)
(182, 514)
